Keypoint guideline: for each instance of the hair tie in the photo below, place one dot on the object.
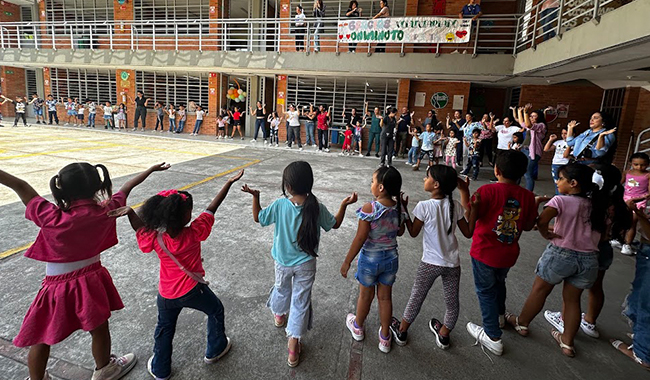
(598, 180)
(167, 193)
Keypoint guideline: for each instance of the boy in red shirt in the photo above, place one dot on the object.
(347, 141)
(500, 213)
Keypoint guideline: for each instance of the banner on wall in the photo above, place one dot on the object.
(405, 30)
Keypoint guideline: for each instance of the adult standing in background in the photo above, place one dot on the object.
(473, 11)
(403, 128)
(293, 118)
(487, 138)
(322, 124)
(260, 120)
(533, 146)
(375, 131)
(548, 14)
(387, 139)
(384, 12)
(319, 14)
(140, 110)
(353, 12)
(299, 28)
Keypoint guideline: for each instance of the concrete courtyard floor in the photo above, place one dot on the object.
(239, 266)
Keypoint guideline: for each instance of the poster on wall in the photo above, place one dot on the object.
(405, 30)
(420, 99)
(439, 100)
(562, 110)
(459, 102)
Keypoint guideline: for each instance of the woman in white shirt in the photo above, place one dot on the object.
(299, 28)
(293, 118)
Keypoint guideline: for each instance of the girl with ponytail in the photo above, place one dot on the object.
(380, 223)
(298, 217)
(77, 292)
(439, 217)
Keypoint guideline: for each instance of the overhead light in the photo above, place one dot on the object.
(630, 76)
(367, 84)
(318, 88)
(594, 66)
(548, 81)
(371, 90)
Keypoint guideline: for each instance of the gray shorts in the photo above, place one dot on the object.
(579, 269)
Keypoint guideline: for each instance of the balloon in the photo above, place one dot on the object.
(231, 91)
(231, 88)
(244, 93)
(240, 91)
(242, 98)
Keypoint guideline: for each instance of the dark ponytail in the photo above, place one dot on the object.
(166, 213)
(298, 179)
(448, 180)
(617, 211)
(80, 181)
(392, 181)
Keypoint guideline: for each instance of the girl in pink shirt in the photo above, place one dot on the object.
(77, 292)
(161, 227)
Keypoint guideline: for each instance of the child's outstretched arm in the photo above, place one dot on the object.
(412, 226)
(256, 201)
(135, 181)
(216, 202)
(362, 234)
(19, 186)
(344, 205)
(473, 213)
(463, 189)
(134, 219)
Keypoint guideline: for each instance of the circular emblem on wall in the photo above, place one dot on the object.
(121, 2)
(124, 75)
(439, 100)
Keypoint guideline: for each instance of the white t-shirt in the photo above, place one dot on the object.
(293, 118)
(275, 123)
(438, 247)
(108, 111)
(199, 114)
(560, 148)
(504, 136)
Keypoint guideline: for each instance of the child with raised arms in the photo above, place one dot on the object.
(298, 220)
(77, 292)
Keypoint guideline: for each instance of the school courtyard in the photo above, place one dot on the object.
(240, 269)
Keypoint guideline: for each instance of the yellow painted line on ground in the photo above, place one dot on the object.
(51, 152)
(14, 251)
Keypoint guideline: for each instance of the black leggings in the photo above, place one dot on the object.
(387, 146)
(323, 139)
(140, 113)
(485, 150)
(159, 122)
(53, 114)
(18, 116)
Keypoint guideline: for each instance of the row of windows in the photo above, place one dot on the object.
(96, 85)
(174, 88)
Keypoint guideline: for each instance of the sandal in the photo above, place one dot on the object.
(558, 338)
(627, 351)
(522, 330)
(294, 363)
(279, 320)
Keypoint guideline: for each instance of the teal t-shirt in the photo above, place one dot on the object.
(287, 218)
(375, 126)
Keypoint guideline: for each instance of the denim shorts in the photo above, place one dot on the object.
(38, 112)
(579, 269)
(605, 255)
(377, 267)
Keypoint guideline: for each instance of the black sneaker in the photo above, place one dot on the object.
(441, 341)
(368, 154)
(400, 337)
(376, 154)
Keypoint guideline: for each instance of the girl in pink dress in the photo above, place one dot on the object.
(637, 189)
(77, 292)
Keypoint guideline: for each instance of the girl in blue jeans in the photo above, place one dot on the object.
(298, 220)
(161, 227)
(380, 223)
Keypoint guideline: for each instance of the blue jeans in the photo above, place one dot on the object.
(200, 298)
(291, 294)
(555, 172)
(197, 126)
(473, 163)
(547, 16)
(531, 170)
(490, 286)
(181, 126)
(413, 155)
(259, 124)
(377, 267)
(638, 305)
(91, 119)
(310, 139)
(172, 125)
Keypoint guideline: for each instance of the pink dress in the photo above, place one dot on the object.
(636, 186)
(81, 299)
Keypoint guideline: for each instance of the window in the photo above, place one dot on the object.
(96, 85)
(337, 8)
(174, 88)
(613, 103)
(350, 93)
(172, 10)
(30, 79)
(79, 10)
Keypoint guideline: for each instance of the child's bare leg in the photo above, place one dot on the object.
(535, 301)
(570, 312)
(101, 345)
(37, 360)
(366, 295)
(631, 233)
(384, 295)
(596, 299)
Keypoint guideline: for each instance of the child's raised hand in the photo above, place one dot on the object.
(552, 137)
(463, 183)
(160, 167)
(351, 199)
(118, 212)
(476, 200)
(253, 192)
(237, 177)
(404, 199)
(345, 267)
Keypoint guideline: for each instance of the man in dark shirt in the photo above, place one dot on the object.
(387, 141)
(471, 10)
(403, 127)
(140, 110)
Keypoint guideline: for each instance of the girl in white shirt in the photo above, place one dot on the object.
(275, 120)
(171, 112)
(439, 217)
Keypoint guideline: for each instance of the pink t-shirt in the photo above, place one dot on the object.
(81, 232)
(573, 223)
(186, 247)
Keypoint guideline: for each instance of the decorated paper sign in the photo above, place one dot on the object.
(406, 30)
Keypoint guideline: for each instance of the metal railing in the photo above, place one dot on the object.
(490, 35)
(551, 18)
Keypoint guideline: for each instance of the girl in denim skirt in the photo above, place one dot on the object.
(298, 220)
(380, 223)
(580, 213)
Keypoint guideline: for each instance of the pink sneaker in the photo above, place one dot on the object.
(357, 333)
(384, 344)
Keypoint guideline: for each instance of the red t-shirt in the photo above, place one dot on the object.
(236, 115)
(348, 135)
(322, 121)
(503, 211)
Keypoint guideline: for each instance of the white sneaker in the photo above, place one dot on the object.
(588, 328)
(357, 333)
(502, 321)
(277, 145)
(288, 147)
(265, 142)
(615, 244)
(253, 140)
(555, 319)
(222, 354)
(341, 154)
(496, 347)
(150, 370)
(45, 377)
(627, 250)
(116, 368)
(384, 344)
(360, 154)
(300, 150)
(327, 150)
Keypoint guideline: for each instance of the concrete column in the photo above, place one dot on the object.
(218, 10)
(251, 99)
(281, 102)
(125, 85)
(213, 97)
(403, 93)
(286, 41)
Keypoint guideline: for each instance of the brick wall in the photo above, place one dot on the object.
(12, 84)
(9, 12)
(450, 88)
(634, 119)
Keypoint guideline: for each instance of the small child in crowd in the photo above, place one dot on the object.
(108, 116)
(439, 217)
(161, 227)
(81, 113)
(120, 117)
(221, 128)
(473, 149)
(415, 144)
(92, 113)
(171, 113)
(347, 141)
(77, 292)
(298, 221)
(559, 158)
(38, 103)
(438, 142)
(503, 211)
(637, 190)
(4, 100)
(70, 110)
(160, 116)
(427, 139)
(450, 149)
(20, 107)
(358, 137)
(380, 223)
(181, 118)
(51, 109)
(517, 141)
(275, 120)
(199, 113)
